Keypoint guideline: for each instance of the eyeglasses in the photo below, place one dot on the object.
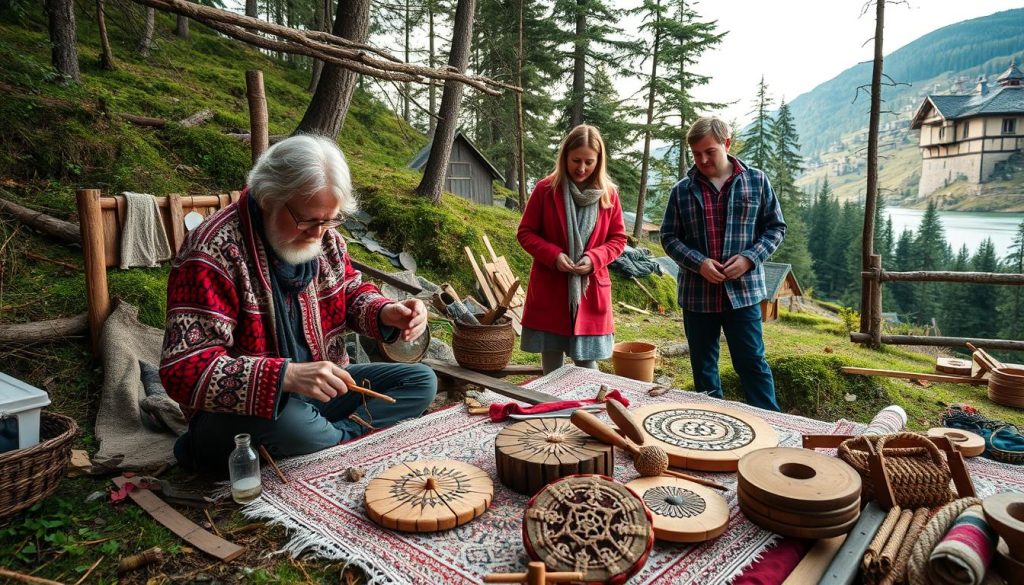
(306, 224)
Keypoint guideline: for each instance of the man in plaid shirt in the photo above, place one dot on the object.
(722, 222)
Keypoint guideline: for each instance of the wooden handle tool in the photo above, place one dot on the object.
(596, 428)
(371, 393)
(625, 421)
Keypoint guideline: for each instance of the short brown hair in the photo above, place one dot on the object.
(708, 125)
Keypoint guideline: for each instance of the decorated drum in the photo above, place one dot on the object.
(532, 453)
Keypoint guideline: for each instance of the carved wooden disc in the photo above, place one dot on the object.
(591, 524)
(532, 453)
(795, 517)
(682, 511)
(796, 531)
(798, 479)
(704, 436)
(1005, 514)
(427, 496)
(625, 421)
(969, 444)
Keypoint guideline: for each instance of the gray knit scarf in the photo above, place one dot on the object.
(580, 218)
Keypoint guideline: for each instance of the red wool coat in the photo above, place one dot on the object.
(542, 233)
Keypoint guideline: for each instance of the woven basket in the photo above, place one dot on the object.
(485, 348)
(29, 475)
(919, 475)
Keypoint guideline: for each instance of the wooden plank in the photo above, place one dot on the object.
(385, 277)
(502, 387)
(490, 249)
(846, 564)
(177, 219)
(182, 526)
(915, 376)
(481, 280)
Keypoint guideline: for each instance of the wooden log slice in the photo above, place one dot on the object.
(427, 496)
(798, 517)
(1008, 567)
(591, 524)
(532, 453)
(1005, 514)
(948, 365)
(1016, 401)
(796, 531)
(799, 479)
(625, 421)
(969, 444)
(682, 511)
(704, 437)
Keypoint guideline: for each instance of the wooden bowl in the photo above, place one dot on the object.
(1005, 514)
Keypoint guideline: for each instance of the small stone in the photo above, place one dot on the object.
(355, 473)
(675, 350)
(657, 391)
(851, 397)
(602, 394)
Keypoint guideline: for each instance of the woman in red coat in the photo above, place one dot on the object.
(572, 226)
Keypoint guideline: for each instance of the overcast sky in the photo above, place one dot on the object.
(799, 44)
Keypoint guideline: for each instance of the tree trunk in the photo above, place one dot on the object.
(146, 42)
(579, 70)
(326, 112)
(406, 86)
(433, 87)
(181, 27)
(520, 125)
(59, 229)
(645, 165)
(64, 52)
(440, 149)
(321, 16)
(867, 244)
(106, 56)
(250, 9)
(38, 331)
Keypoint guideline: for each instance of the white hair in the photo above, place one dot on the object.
(302, 166)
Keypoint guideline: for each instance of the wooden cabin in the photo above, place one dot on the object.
(780, 282)
(470, 174)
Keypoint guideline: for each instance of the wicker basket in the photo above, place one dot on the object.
(919, 476)
(29, 475)
(485, 348)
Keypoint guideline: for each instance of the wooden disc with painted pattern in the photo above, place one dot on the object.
(682, 511)
(798, 479)
(704, 436)
(532, 453)
(969, 444)
(427, 496)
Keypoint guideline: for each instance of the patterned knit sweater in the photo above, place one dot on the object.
(220, 348)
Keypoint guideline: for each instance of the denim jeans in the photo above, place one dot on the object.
(743, 334)
(305, 425)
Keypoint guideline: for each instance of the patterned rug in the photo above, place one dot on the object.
(325, 513)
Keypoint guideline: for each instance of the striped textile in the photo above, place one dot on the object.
(889, 420)
(963, 555)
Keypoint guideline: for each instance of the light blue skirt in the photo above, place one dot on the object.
(577, 347)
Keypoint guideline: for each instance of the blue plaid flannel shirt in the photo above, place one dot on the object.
(754, 227)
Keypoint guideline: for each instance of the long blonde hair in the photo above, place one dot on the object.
(584, 135)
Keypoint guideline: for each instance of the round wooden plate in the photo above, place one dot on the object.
(591, 524)
(799, 479)
(1005, 513)
(532, 453)
(969, 444)
(682, 511)
(796, 531)
(950, 365)
(703, 436)
(427, 496)
(625, 421)
(800, 517)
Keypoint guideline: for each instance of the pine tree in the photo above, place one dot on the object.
(1012, 307)
(784, 164)
(983, 299)
(902, 293)
(757, 140)
(955, 298)
(930, 252)
(824, 214)
(605, 110)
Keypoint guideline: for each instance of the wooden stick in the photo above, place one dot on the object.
(270, 460)
(480, 279)
(695, 479)
(371, 393)
(992, 362)
(91, 569)
(8, 574)
(97, 295)
(644, 288)
(213, 525)
(634, 309)
(915, 376)
(38, 257)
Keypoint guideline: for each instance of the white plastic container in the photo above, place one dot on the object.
(20, 407)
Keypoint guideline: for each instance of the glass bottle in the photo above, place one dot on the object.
(244, 469)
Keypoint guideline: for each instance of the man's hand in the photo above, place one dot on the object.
(584, 266)
(318, 380)
(409, 315)
(564, 264)
(711, 270)
(736, 266)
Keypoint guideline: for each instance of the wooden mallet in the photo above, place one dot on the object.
(649, 460)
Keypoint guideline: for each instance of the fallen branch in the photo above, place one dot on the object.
(6, 573)
(37, 331)
(197, 118)
(64, 231)
(634, 309)
(41, 258)
(246, 137)
(145, 121)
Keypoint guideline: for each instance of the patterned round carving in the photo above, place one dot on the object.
(590, 524)
(532, 453)
(674, 502)
(682, 511)
(427, 496)
(704, 436)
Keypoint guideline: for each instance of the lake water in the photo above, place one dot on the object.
(962, 227)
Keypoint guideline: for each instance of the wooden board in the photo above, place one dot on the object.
(591, 524)
(682, 511)
(799, 479)
(532, 453)
(845, 565)
(955, 366)
(1005, 514)
(704, 437)
(969, 444)
(814, 563)
(191, 532)
(625, 421)
(500, 386)
(798, 517)
(914, 376)
(427, 496)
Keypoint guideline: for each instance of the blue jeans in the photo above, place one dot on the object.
(743, 334)
(305, 425)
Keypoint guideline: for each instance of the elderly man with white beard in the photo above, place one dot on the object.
(259, 299)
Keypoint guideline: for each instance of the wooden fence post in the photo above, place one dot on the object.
(98, 298)
(875, 322)
(259, 137)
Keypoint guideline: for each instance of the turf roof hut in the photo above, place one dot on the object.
(470, 174)
(780, 282)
